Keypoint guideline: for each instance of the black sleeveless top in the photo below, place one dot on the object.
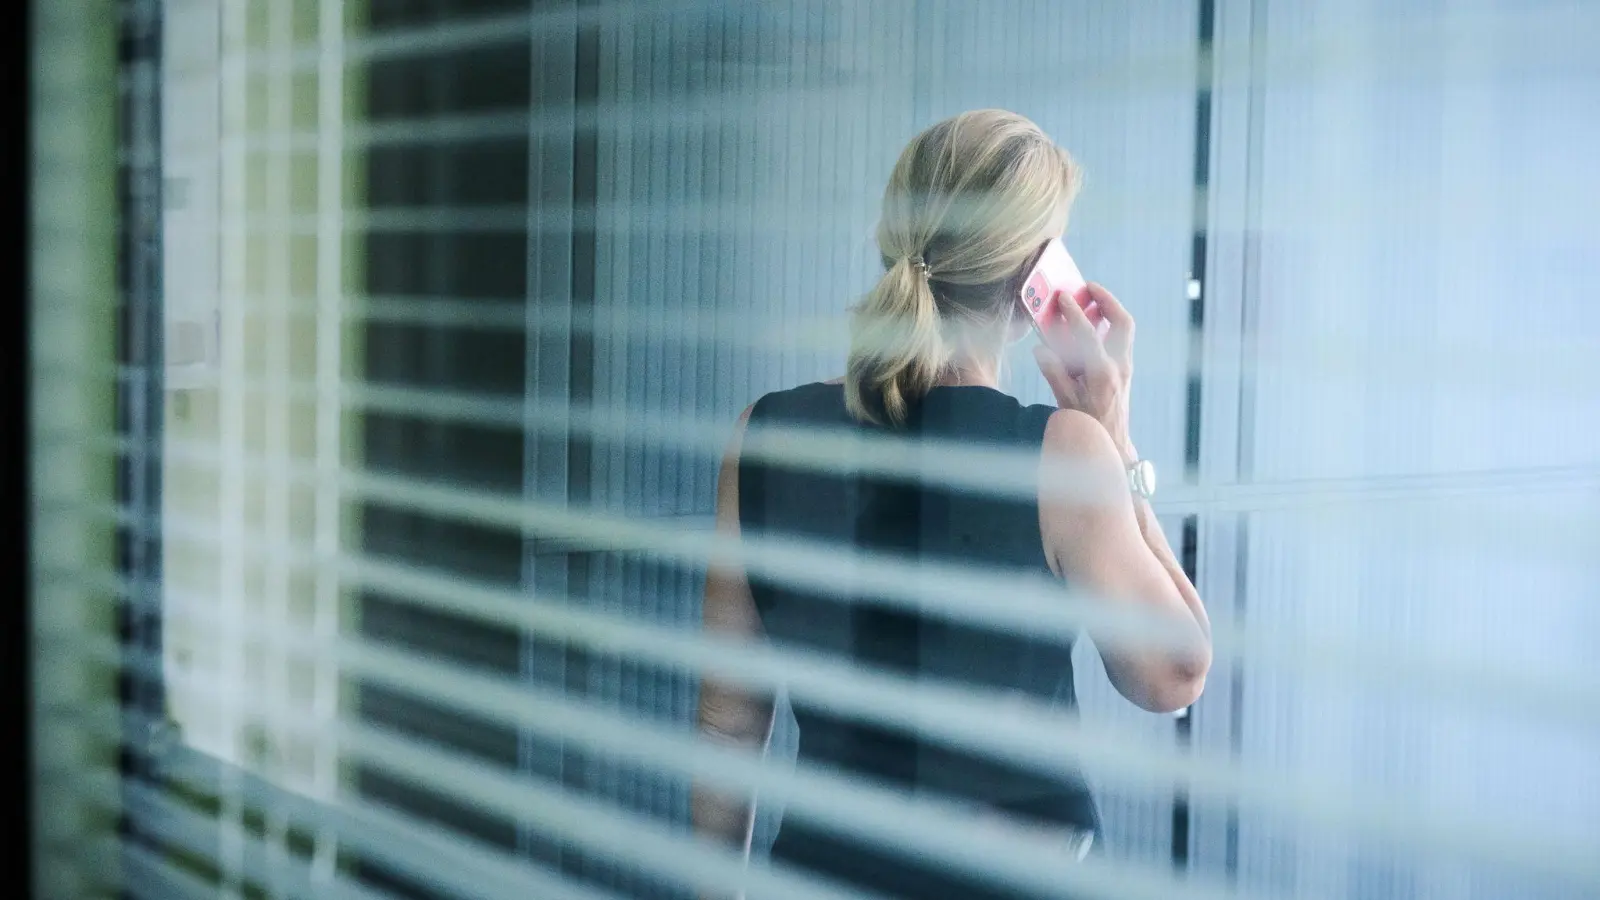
(884, 517)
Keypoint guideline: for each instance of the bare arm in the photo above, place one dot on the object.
(1108, 541)
(1105, 538)
(728, 714)
(1156, 539)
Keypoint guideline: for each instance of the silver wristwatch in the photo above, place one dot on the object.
(1142, 478)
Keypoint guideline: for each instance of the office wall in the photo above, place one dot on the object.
(1413, 193)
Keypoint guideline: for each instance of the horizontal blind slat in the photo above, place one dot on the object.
(1020, 604)
(845, 802)
(1349, 658)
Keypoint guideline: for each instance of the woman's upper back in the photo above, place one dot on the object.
(847, 502)
(871, 520)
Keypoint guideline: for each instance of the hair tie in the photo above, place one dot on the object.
(920, 266)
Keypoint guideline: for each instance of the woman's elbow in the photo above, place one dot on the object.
(1181, 679)
(1178, 690)
(1168, 688)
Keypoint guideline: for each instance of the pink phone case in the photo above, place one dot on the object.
(1054, 276)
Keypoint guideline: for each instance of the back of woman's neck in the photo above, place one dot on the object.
(968, 373)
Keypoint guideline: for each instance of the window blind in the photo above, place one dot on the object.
(378, 400)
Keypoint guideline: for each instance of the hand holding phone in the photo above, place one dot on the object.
(1055, 279)
(1087, 357)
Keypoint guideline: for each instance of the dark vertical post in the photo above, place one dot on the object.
(1188, 550)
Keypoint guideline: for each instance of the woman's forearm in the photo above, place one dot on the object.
(719, 816)
(733, 718)
(1156, 538)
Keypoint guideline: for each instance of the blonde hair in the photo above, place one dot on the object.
(969, 205)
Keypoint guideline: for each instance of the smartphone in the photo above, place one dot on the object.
(1053, 278)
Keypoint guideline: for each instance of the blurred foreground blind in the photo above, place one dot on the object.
(376, 443)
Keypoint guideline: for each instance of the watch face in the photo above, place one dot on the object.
(1143, 476)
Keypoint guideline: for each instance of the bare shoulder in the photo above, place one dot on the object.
(1074, 433)
(731, 454)
(1082, 495)
(728, 473)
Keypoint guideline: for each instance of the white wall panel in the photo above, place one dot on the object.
(1418, 304)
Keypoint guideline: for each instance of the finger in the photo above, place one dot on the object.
(1097, 319)
(1119, 334)
(1055, 373)
(1051, 366)
(1110, 306)
(1083, 348)
(1073, 315)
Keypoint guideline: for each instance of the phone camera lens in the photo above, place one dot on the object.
(1031, 293)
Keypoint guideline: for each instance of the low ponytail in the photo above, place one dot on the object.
(897, 346)
(977, 194)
